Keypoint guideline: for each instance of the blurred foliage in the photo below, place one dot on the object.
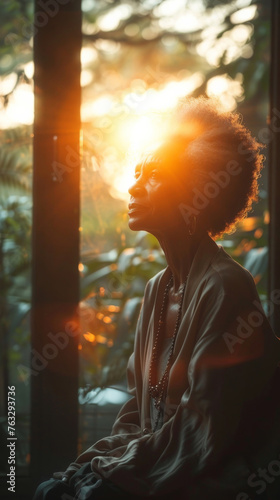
(15, 283)
(113, 284)
(15, 243)
(15, 161)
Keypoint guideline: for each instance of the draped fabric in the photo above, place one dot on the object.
(219, 422)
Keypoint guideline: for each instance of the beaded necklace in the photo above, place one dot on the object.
(157, 389)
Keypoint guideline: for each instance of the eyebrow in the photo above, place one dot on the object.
(149, 163)
(152, 159)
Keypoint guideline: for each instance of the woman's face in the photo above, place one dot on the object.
(154, 198)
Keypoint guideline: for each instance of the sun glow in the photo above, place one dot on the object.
(143, 127)
(137, 135)
(123, 113)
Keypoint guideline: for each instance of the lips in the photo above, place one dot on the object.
(136, 207)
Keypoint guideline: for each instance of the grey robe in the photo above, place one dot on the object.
(217, 407)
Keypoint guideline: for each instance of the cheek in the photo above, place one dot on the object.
(163, 193)
(169, 209)
(165, 200)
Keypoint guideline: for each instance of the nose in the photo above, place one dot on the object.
(136, 188)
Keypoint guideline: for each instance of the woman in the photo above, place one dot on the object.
(201, 422)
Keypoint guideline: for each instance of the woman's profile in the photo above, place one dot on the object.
(201, 421)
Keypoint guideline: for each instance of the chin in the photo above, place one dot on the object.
(135, 225)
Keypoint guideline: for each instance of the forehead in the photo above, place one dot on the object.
(169, 156)
(149, 162)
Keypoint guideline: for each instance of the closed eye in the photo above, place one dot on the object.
(148, 170)
(154, 174)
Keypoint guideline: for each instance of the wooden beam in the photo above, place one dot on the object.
(55, 278)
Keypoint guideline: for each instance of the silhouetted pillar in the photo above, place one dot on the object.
(55, 279)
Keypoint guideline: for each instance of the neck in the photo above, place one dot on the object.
(179, 249)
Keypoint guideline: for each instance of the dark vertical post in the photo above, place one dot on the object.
(274, 167)
(55, 279)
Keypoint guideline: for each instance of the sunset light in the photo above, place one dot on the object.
(139, 134)
(20, 109)
(140, 128)
(124, 112)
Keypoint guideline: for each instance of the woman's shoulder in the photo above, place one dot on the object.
(230, 276)
(153, 283)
